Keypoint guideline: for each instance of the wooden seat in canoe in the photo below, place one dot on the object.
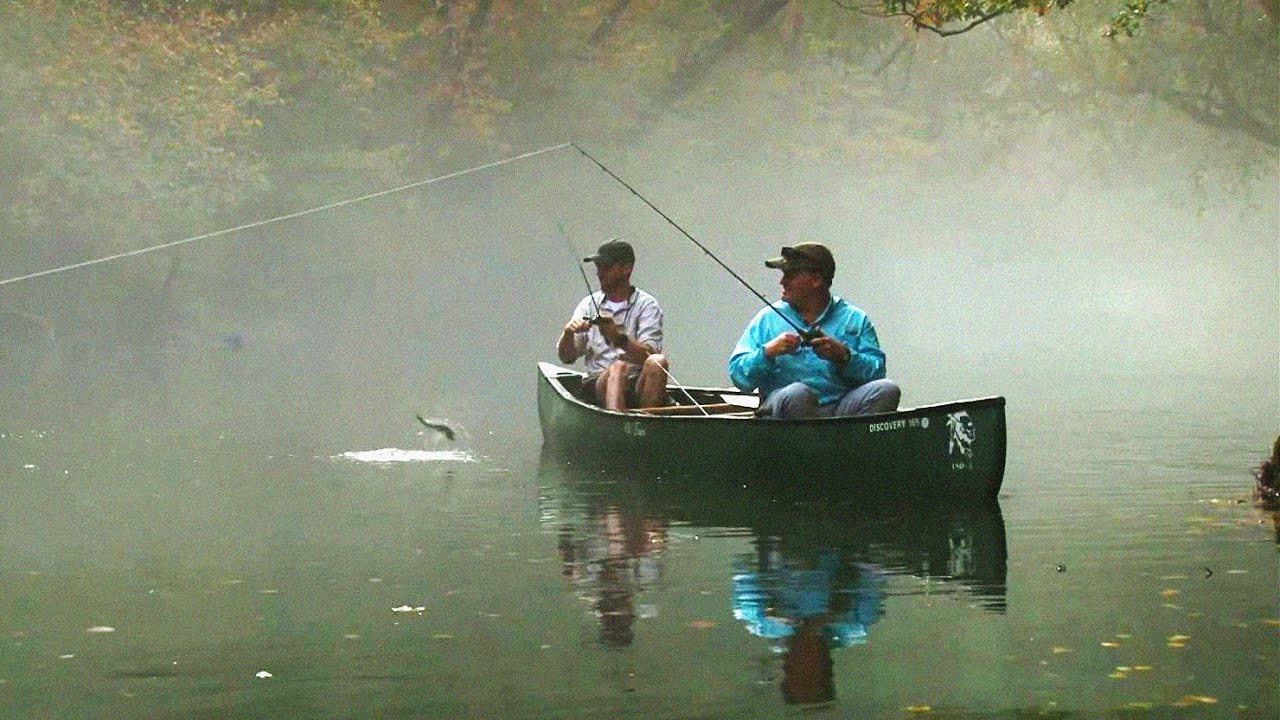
(709, 409)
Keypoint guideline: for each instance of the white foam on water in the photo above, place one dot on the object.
(397, 455)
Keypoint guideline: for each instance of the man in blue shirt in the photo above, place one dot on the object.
(835, 369)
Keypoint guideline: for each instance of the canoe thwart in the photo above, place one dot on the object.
(711, 409)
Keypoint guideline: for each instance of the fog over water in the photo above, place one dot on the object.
(448, 293)
(222, 462)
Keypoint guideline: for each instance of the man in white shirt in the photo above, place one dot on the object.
(619, 331)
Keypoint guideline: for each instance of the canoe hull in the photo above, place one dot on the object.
(948, 449)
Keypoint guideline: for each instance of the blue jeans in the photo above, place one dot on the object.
(798, 401)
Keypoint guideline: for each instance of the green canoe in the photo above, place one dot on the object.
(955, 448)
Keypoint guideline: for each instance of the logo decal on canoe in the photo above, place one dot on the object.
(961, 434)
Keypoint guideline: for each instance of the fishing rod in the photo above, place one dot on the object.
(590, 293)
(806, 335)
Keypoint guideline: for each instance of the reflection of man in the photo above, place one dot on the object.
(838, 371)
(619, 330)
(615, 559)
(809, 610)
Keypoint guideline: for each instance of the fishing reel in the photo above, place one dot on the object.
(598, 320)
(808, 336)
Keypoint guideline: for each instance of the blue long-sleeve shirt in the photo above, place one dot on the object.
(750, 369)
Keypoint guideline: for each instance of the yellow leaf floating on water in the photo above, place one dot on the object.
(1059, 650)
(1142, 668)
(1123, 636)
(1189, 700)
(1118, 675)
(1108, 644)
(1123, 668)
(1179, 638)
(919, 709)
(1271, 622)
(1170, 592)
(1176, 645)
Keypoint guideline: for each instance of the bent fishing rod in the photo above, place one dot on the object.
(590, 293)
(806, 335)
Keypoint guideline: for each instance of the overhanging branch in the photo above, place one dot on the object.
(921, 21)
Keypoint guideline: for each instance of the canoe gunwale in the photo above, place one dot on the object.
(553, 374)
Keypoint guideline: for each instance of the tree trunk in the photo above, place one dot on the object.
(690, 72)
(610, 21)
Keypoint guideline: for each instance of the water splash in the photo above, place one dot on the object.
(397, 455)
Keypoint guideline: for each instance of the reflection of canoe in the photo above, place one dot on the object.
(961, 543)
(953, 448)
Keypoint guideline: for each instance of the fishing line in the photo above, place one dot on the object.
(763, 299)
(290, 216)
(686, 392)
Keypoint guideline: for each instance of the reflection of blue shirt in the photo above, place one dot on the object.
(772, 602)
(750, 369)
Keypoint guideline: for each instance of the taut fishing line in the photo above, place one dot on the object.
(290, 216)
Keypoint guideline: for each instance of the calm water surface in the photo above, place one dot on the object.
(1122, 572)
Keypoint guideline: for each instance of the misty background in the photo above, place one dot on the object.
(1028, 209)
(1086, 225)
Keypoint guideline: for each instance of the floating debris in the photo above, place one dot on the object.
(1109, 644)
(67, 656)
(419, 609)
(1189, 700)
(919, 709)
(1170, 592)
(98, 629)
(263, 675)
(1059, 650)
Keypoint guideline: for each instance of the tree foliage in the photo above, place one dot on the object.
(139, 120)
